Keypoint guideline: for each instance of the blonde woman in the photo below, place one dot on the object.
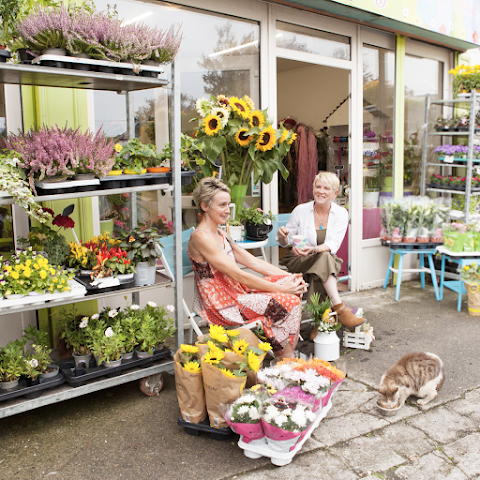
(230, 296)
(324, 223)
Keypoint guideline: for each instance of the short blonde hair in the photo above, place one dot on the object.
(329, 178)
(206, 189)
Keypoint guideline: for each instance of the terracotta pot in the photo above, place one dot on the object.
(158, 169)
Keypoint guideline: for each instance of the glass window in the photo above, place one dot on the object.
(422, 76)
(218, 55)
(294, 37)
(378, 101)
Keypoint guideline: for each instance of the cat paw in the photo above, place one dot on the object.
(422, 402)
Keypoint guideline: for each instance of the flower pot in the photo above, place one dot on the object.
(54, 51)
(31, 382)
(129, 355)
(387, 184)
(158, 169)
(370, 199)
(115, 173)
(113, 363)
(327, 346)
(82, 361)
(236, 232)
(141, 354)
(52, 373)
(128, 171)
(144, 274)
(9, 385)
(125, 277)
(4, 56)
(84, 176)
(24, 56)
(259, 232)
(14, 296)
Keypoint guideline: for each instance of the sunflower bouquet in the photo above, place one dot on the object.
(465, 78)
(243, 137)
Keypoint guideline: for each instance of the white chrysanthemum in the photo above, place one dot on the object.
(311, 415)
(299, 418)
(203, 107)
(170, 308)
(280, 420)
(222, 113)
(271, 411)
(112, 313)
(243, 409)
(84, 322)
(311, 387)
(247, 399)
(267, 418)
(135, 307)
(95, 316)
(33, 363)
(151, 304)
(253, 413)
(296, 376)
(109, 332)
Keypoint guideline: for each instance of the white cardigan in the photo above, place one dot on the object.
(302, 222)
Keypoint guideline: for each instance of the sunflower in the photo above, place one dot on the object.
(253, 361)
(222, 113)
(228, 373)
(189, 348)
(214, 358)
(257, 119)
(240, 107)
(240, 346)
(325, 315)
(223, 100)
(233, 333)
(264, 346)
(218, 334)
(266, 140)
(203, 106)
(292, 138)
(242, 139)
(249, 102)
(284, 135)
(212, 124)
(192, 367)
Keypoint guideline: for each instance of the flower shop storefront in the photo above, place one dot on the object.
(344, 79)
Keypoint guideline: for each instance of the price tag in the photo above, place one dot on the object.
(448, 158)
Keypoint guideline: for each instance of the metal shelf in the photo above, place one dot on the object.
(446, 190)
(448, 134)
(66, 392)
(19, 74)
(453, 100)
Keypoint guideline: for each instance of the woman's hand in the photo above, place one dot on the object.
(303, 252)
(295, 285)
(283, 232)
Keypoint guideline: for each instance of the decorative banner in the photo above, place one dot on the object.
(454, 18)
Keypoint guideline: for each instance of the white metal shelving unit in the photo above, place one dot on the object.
(68, 78)
(472, 100)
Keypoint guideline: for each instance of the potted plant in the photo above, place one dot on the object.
(108, 345)
(160, 223)
(113, 261)
(154, 326)
(235, 230)
(258, 224)
(142, 250)
(12, 364)
(470, 275)
(137, 156)
(41, 352)
(129, 323)
(465, 79)
(372, 190)
(440, 124)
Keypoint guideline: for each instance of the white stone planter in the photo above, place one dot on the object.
(236, 232)
(144, 274)
(327, 346)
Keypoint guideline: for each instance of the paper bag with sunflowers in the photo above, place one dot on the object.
(189, 384)
(235, 344)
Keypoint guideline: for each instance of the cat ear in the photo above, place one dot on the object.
(394, 390)
(382, 390)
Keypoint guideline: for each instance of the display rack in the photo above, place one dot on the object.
(472, 100)
(69, 78)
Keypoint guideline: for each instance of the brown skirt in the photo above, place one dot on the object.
(315, 269)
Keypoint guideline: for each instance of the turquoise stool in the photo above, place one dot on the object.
(421, 252)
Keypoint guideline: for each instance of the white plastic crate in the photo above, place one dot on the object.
(357, 339)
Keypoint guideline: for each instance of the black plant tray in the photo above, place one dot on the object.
(22, 389)
(85, 281)
(187, 177)
(460, 188)
(196, 428)
(80, 376)
(121, 181)
(411, 246)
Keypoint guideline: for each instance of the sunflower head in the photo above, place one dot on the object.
(212, 124)
(242, 139)
(266, 139)
(257, 119)
(253, 361)
(240, 346)
(233, 333)
(228, 373)
(223, 100)
(192, 367)
(218, 334)
(292, 138)
(283, 136)
(264, 346)
(214, 357)
(189, 348)
(249, 102)
(240, 107)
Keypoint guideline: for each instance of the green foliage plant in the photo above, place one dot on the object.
(320, 312)
(12, 360)
(256, 216)
(154, 326)
(140, 245)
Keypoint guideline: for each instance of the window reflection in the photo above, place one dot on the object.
(378, 101)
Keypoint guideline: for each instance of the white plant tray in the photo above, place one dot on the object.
(101, 63)
(282, 458)
(442, 249)
(77, 291)
(67, 184)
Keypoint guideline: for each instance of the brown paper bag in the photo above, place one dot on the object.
(190, 394)
(219, 389)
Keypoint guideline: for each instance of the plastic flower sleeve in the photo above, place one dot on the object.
(385, 218)
(411, 213)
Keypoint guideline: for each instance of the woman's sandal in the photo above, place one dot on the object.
(346, 317)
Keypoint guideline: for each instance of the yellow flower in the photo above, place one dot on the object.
(292, 138)
(218, 333)
(253, 361)
(249, 102)
(240, 346)
(63, 280)
(28, 262)
(228, 373)
(52, 271)
(8, 268)
(212, 124)
(240, 107)
(214, 357)
(54, 279)
(193, 367)
(266, 140)
(189, 348)
(257, 119)
(466, 267)
(50, 287)
(242, 139)
(18, 267)
(14, 275)
(36, 266)
(118, 147)
(255, 387)
(233, 333)
(27, 273)
(264, 346)
(284, 135)
(326, 313)
(43, 274)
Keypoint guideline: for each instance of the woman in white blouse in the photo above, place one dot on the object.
(324, 223)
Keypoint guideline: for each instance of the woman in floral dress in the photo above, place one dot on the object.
(230, 296)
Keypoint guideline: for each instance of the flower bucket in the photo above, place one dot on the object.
(145, 274)
(238, 193)
(473, 293)
(327, 346)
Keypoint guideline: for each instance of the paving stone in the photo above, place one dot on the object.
(443, 425)
(406, 411)
(349, 384)
(468, 407)
(383, 450)
(319, 465)
(346, 402)
(466, 454)
(339, 429)
(430, 467)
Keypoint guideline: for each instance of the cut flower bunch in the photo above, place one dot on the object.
(470, 273)
(465, 78)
